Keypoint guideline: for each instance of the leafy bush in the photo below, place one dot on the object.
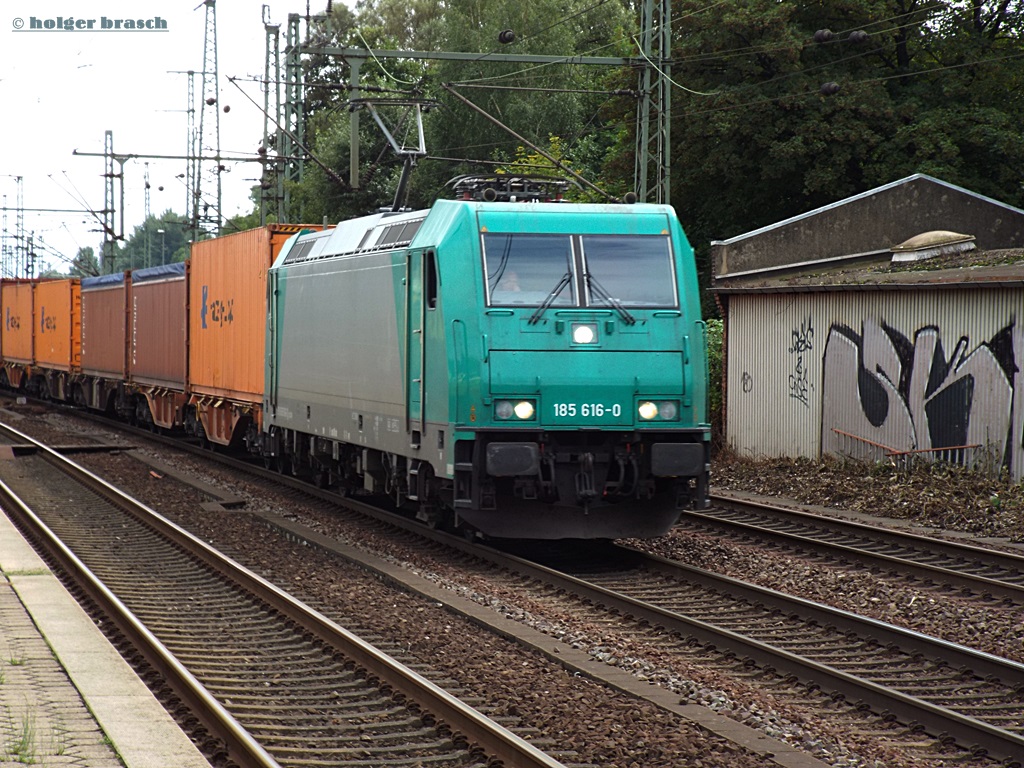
(717, 417)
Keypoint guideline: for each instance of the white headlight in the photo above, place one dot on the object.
(503, 409)
(648, 410)
(669, 410)
(524, 409)
(584, 333)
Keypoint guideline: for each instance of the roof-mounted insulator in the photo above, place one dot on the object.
(509, 188)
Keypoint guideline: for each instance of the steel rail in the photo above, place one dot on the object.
(983, 585)
(937, 720)
(240, 745)
(491, 737)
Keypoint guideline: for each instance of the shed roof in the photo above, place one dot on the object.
(1002, 268)
(849, 243)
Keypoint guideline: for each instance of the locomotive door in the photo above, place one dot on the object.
(415, 349)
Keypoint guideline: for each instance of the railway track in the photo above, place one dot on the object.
(959, 698)
(271, 681)
(949, 565)
(952, 692)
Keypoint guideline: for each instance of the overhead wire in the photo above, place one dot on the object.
(867, 81)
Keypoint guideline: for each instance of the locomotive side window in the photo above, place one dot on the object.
(430, 281)
(632, 270)
(524, 269)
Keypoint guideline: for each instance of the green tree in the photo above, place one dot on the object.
(784, 107)
(716, 414)
(85, 263)
(569, 103)
(158, 240)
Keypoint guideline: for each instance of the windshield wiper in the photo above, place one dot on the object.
(598, 290)
(550, 298)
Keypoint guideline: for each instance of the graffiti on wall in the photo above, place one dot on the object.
(905, 394)
(801, 343)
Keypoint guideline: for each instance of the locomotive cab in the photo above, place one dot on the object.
(589, 420)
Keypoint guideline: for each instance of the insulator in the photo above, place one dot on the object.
(859, 36)
(823, 35)
(506, 36)
(829, 89)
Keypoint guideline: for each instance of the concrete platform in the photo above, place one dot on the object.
(67, 698)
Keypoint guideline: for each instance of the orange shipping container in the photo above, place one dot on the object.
(58, 324)
(158, 327)
(16, 335)
(228, 311)
(104, 326)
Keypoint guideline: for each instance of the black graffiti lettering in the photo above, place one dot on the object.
(887, 390)
(798, 387)
(802, 342)
(803, 338)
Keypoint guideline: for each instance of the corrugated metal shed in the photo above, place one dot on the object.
(846, 373)
(858, 356)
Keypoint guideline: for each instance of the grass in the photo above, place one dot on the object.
(21, 743)
(21, 740)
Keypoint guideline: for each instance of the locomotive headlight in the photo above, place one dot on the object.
(668, 410)
(524, 409)
(506, 410)
(584, 333)
(648, 411)
(659, 410)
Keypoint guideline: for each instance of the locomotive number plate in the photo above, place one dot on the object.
(587, 410)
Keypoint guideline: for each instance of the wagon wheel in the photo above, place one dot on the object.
(430, 512)
(322, 478)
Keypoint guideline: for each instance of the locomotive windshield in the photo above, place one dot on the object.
(523, 269)
(602, 270)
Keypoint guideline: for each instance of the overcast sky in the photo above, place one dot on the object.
(62, 90)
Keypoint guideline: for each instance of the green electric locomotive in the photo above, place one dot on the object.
(517, 368)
